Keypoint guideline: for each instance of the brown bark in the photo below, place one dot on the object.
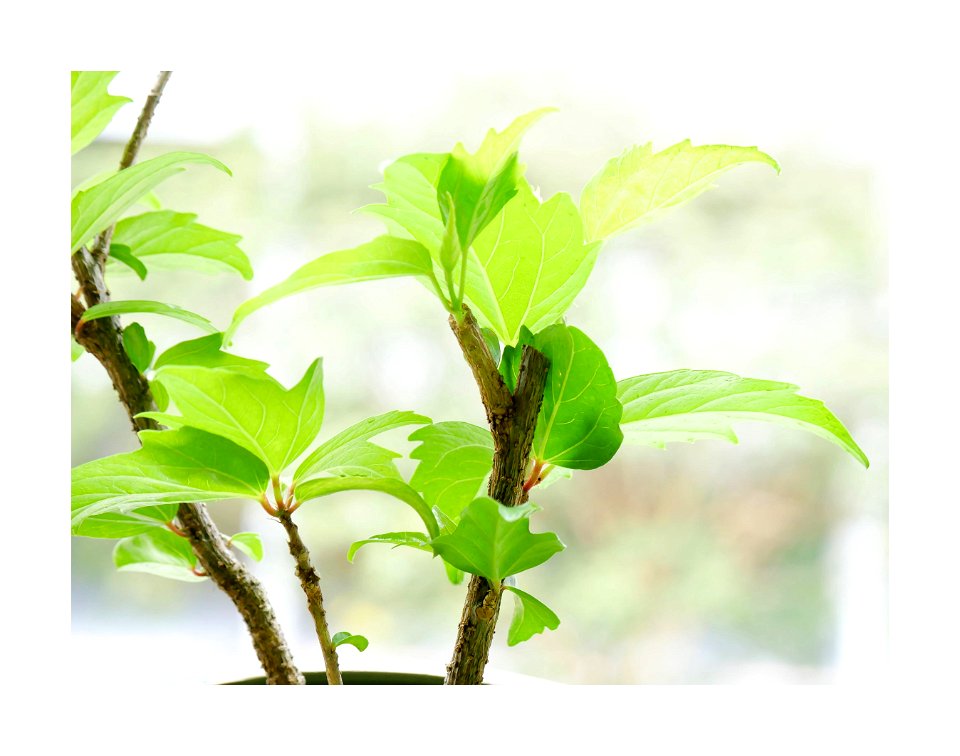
(513, 419)
(310, 582)
(103, 339)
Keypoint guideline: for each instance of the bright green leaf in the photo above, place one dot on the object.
(631, 188)
(359, 641)
(158, 552)
(91, 107)
(689, 405)
(76, 351)
(350, 453)
(314, 489)
(530, 617)
(454, 458)
(528, 266)
(206, 351)
(384, 257)
(95, 209)
(170, 233)
(114, 525)
(252, 409)
(412, 539)
(173, 466)
(122, 253)
(578, 425)
(454, 574)
(495, 541)
(137, 306)
(248, 543)
(138, 347)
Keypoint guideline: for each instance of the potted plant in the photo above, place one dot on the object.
(504, 265)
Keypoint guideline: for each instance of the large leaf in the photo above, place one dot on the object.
(138, 306)
(114, 525)
(206, 351)
(170, 233)
(350, 452)
(173, 466)
(495, 541)
(530, 617)
(91, 106)
(158, 552)
(318, 487)
(410, 186)
(578, 425)
(454, 457)
(689, 405)
(93, 210)
(250, 408)
(384, 257)
(474, 188)
(631, 188)
(528, 266)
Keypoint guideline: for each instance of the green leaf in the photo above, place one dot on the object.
(410, 186)
(384, 257)
(138, 347)
(122, 253)
(492, 342)
(689, 405)
(530, 617)
(350, 453)
(91, 107)
(95, 209)
(314, 489)
(114, 525)
(173, 466)
(158, 552)
(206, 351)
(528, 266)
(412, 539)
(359, 641)
(454, 458)
(171, 233)
(512, 355)
(131, 306)
(76, 351)
(454, 575)
(633, 187)
(248, 543)
(578, 425)
(495, 541)
(252, 409)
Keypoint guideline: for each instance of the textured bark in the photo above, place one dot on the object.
(513, 419)
(310, 582)
(103, 339)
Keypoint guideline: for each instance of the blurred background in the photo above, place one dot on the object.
(704, 563)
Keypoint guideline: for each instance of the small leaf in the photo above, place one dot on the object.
(384, 257)
(252, 409)
(412, 539)
(114, 525)
(454, 458)
(158, 552)
(91, 106)
(173, 466)
(95, 209)
(633, 187)
(689, 405)
(138, 347)
(578, 425)
(131, 306)
(359, 641)
(530, 617)
(248, 543)
(512, 355)
(168, 233)
(492, 342)
(76, 351)
(121, 253)
(349, 453)
(454, 575)
(206, 351)
(495, 541)
(314, 489)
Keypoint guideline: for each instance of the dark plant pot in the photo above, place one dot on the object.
(358, 678)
